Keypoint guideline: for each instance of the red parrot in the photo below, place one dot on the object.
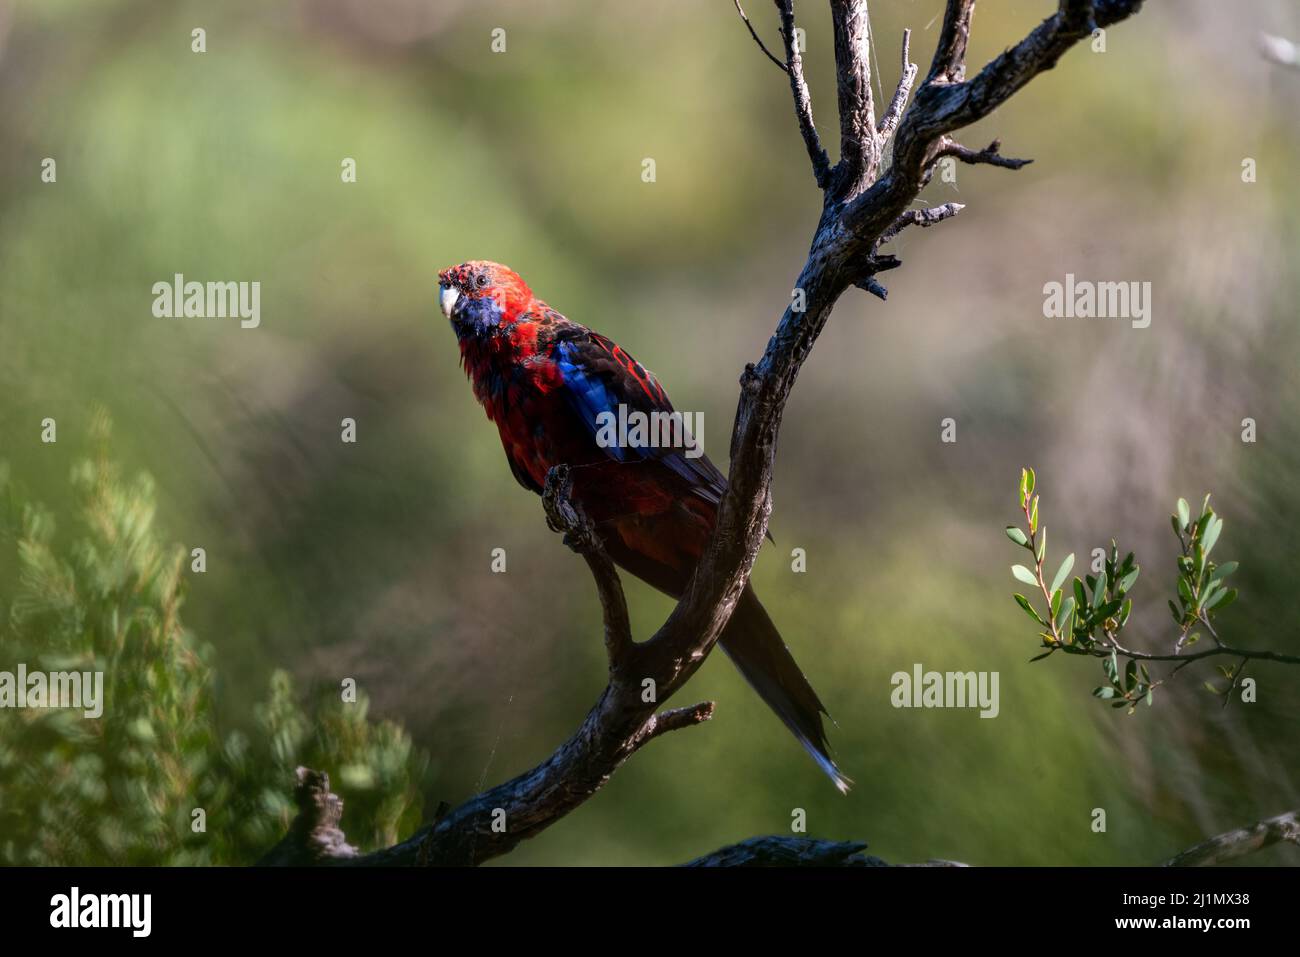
(553, 388)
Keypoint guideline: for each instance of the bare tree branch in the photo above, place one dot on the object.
(859, 155)
(955, 105)
(860, 207)
(563, 516)
(802, 99)
(774, 851)
(989, 155)
(1242, 841)
(945, 146)
(942, 105)
(678, 718)
(623, 721)
(894, 113)
(789, 852)
(929, 216)
(949, 64)
(872, 285)
(314, 836)
(1219, 650)
(761, 45)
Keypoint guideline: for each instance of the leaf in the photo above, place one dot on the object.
(1080, 595)
(1033, 516)
(1024, 574)
(1017, 536)
(1111, 667)
(1099, 590)
(1130, 675)
(1023, 602)
(1223, 571)
(1211, 689)
(1030, 481)
(1062, 572)
(1042, 544)
(1225, 599)
(1042, 656)
(1024, 486)
(1127, 581)
(1184, 514)
(1173, 610)
(1104, 694)
(1063, 615)
(1212, 533)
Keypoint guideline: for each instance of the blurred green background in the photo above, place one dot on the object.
(371, 561)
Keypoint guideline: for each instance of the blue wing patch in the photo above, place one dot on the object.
(599, 377)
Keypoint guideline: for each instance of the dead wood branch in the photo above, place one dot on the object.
(860, 206)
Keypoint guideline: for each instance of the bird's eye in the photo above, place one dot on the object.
(481, 280)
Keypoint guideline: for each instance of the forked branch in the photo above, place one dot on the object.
(860, 205)
(802, 99)
(889, 122)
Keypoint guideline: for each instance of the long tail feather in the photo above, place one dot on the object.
(754, 645)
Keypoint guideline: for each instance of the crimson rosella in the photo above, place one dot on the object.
(553, 387)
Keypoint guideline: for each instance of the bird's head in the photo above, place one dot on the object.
(477, 296)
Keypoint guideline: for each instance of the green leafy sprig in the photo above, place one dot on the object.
(1088, 616)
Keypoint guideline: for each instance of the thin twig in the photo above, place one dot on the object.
(679, 718)
(924, 218)
(821, 163)
(889, 122)
(990, 155)
(1220, 651)
(761, 45)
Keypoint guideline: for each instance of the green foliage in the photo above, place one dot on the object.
(123, 788)
(373, 766)
(1090, 618)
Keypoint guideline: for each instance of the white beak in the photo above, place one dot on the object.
(447, 296)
